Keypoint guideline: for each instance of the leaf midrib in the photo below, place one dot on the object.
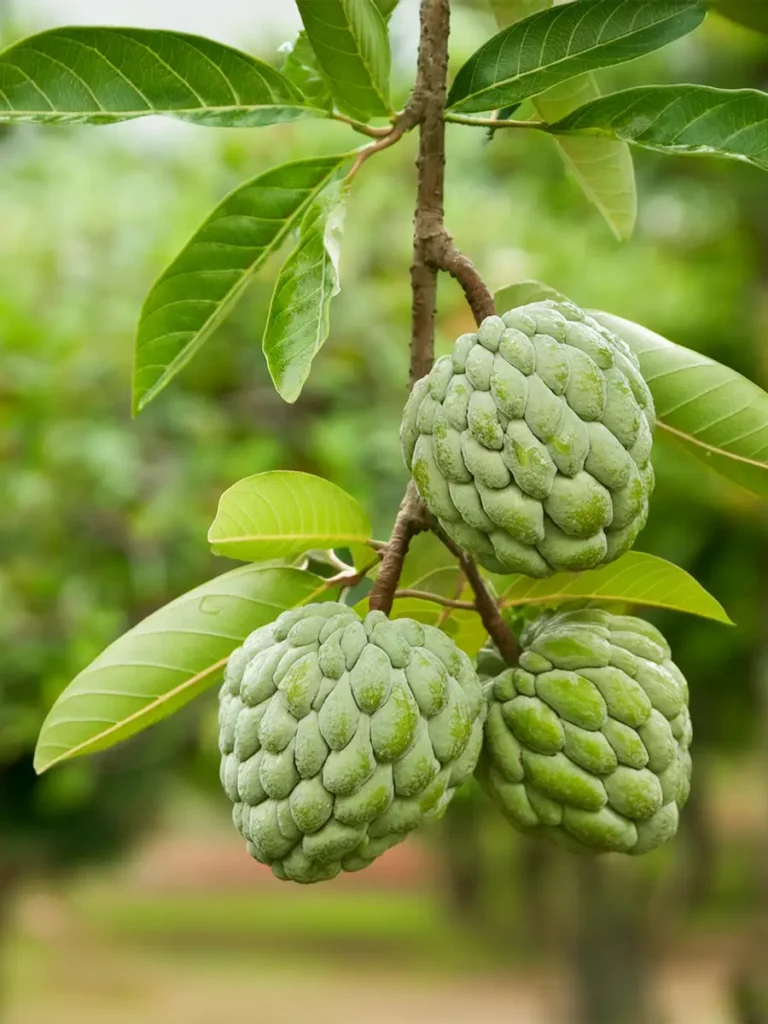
(600, 596)
(156, 111)
(692, 439)
(228, 300)
(243, 538)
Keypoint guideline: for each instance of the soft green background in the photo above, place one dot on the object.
(104, 519)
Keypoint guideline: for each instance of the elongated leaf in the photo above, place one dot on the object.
(168, 659)
(350, 40)
(282, 514)
(508, 12)
(636, 578)
(299, 316)
(718, 415)
(524, 292)
(301, 69)
(602, 167)
(386, 7)
(103, 75)
(205, 280)
(555, 45)
(752, 13)
(680, 119)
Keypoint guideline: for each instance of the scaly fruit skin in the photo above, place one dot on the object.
(586, 742)
(531, 443)
(339, 736)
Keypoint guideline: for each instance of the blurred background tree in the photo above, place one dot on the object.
(105, 518)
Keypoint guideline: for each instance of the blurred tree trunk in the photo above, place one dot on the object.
(462, 859)
(750, 984)
(698, 834)
(9, 879)
(540, 896)
(613, 948)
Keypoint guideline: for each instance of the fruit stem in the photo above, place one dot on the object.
(485, 603)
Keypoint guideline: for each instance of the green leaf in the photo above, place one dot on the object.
(282, 514)
(209, 275)
(299, 315)
(680, 119)
(523, 292)
(104, 75)
(635, 578)
(427, 558)
(602, 167)
(555, 45)
(386, 7)
(301, 69)
(351, 43)
(168, 659)
(752, 13)
(715, 413)
(507, 12)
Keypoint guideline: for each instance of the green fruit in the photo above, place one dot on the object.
(340, 736)
(586, 741)
(531, 443)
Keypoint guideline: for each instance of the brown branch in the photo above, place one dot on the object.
(425, 108)
(411, 519)
(429, 99)
(486, 606)
(446, 602)
(434, 250)
(446, 256)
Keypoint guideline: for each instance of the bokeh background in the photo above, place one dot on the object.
(125, 893)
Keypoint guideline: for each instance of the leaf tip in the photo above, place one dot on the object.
(41, 763)
(622, 228)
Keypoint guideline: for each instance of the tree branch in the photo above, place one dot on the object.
(445, 256)
(405, 121)
(486, 606)
(425, 108)
(411, 519)
(433, 251)
(359, 126)
(429, 98)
